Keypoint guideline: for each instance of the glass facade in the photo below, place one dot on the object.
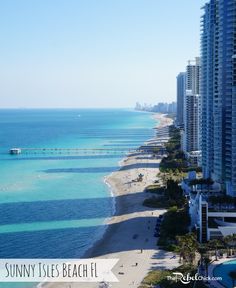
(218, 79)
(180, 99)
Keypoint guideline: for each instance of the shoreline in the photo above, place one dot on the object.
(115, 207)
(128, 233)
(89, 253)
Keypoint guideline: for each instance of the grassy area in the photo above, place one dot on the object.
(155, 277)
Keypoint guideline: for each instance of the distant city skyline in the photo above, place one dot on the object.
(94, 53)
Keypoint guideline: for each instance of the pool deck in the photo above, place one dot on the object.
(217, 284)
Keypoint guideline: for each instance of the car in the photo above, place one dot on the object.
(156, 235)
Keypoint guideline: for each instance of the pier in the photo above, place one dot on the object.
(88, 151)
(17, 151)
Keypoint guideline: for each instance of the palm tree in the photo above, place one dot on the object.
(234, 241)
(205, 259)
(228, 242)
(232, 275)
(215, 244)
(188, 246)
(181, 248)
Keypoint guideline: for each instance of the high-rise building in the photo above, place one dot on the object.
(180, 99)
(172, 107)
(193, 76)
(191, 107)
(191, 123)
(218, 93)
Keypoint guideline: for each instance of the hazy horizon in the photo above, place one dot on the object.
(94, 54)
(70, 108)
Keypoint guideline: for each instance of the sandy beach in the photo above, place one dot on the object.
(129, 236)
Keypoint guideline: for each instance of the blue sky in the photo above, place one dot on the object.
(94, 53)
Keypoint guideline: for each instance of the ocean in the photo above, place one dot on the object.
(54, 203)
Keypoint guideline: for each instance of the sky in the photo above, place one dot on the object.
(94, 53)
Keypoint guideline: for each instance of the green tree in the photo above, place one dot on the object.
(215, 244)
(187, 246)
(230, 242)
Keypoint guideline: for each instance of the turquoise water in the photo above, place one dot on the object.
(53, 205)
(223, 270)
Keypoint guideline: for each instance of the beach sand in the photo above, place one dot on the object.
(132, 227)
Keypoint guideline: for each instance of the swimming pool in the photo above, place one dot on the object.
(223, 270)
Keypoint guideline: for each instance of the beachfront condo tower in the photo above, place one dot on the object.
(218, 93)
(180, 99)
(191, 115)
